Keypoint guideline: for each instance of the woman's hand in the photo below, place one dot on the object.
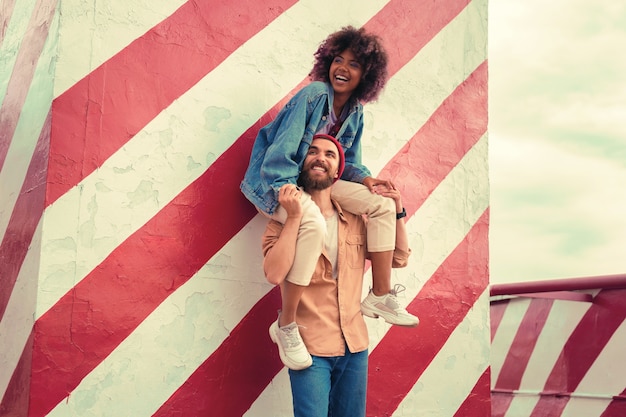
(375, 185)
(391, 193)
(289, 198)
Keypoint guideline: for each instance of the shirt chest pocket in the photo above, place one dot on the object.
(355, 250)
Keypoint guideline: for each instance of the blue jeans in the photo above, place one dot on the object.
(332, 386)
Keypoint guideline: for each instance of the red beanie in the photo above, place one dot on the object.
(342, 156)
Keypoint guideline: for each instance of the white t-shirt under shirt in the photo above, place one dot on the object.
(330, 243)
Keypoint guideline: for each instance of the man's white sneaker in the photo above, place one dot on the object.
(387, 307)
(291, 348)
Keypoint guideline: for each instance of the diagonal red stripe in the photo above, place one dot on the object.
(548, 405)
(24, 218)
(582, 348)
(516, 361)
(451, 131)
(411, 21)
(477, 403)
(404, 354)
(100, 113)
(496, 312)
(617, 407)
(500, 403)
(16, 398)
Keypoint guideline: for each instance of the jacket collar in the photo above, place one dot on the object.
(353, 103)
(339, 210)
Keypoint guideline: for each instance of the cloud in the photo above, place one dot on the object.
(562, 73)
(554, 214)
(557, 138)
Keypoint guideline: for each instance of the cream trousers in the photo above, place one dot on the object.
(353, 197)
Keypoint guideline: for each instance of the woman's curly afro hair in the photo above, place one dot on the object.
(368, 51)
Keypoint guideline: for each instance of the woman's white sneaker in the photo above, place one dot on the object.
(291, 348)
(387, 307)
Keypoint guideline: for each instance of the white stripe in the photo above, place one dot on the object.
(93, 32)
(181, 143)
(503, 339)
(453, 372)
(522, 405)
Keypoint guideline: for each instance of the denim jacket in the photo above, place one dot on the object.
(281, 146)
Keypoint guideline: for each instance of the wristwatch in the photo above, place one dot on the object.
(401, 214)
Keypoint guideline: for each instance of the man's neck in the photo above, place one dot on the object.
(323, 201)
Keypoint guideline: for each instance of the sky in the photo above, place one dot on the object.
(557, 138)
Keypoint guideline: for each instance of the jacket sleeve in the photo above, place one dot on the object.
(281, 164)
(400, 258)
(354, 170)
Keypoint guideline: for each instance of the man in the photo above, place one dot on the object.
(328, 365)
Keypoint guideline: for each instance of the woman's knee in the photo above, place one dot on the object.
(313, 227)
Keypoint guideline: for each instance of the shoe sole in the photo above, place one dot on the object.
(283, 357)
(372, 314)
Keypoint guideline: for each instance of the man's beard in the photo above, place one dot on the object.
(310, 184)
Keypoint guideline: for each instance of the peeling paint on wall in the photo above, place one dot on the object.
(140, 270)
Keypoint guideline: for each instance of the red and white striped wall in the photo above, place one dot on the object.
(130, 263)
(558, 348)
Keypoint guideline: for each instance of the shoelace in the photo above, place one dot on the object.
(291, 336)
(397, 289)
(392, 300)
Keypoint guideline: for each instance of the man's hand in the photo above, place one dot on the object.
(289, 198)
(378, 186)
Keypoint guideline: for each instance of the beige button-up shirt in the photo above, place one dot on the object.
(329, 312)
